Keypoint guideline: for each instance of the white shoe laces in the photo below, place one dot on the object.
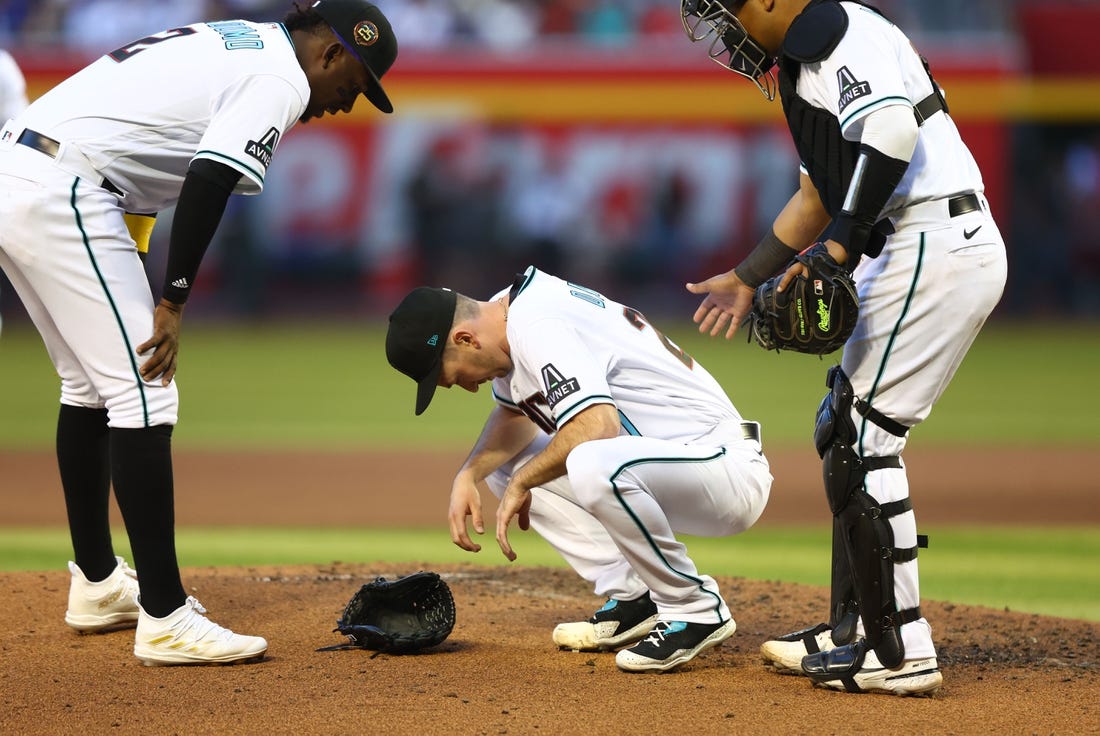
(197, 627)
(127, 570)
(658, 634)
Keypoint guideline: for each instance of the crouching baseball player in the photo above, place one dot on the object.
(187, 116)
(607, 439)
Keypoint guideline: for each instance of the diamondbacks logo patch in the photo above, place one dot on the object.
(262, 149)
(850, 88)
(557, 385)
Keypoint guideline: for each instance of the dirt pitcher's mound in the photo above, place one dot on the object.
(499, 673)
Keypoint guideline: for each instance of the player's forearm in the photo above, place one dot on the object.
(801, 222)
(504, 436)
(594, 423)
(202, 201)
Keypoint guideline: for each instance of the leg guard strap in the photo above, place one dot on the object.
(807, 636)
(877, 417)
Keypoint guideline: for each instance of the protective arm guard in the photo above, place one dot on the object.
(875, 178)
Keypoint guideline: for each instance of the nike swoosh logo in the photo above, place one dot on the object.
(968, 234)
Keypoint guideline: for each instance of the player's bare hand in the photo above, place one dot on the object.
(795, 271)
(727, 303)
(836, 250)
(465, 502)
(515, 503)
(165, 343)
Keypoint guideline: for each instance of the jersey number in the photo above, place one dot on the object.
(537, 410)
(140, 45)
(634, 317)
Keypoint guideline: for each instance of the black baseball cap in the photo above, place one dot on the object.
(417, 335)
(364, 30)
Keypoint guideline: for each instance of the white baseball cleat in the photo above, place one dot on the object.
(616, 624)
(111, 602)
(784, 653)
(856, 669)
(671, 644)
(185, 636)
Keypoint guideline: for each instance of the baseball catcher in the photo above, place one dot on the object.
(398, 616)
(815, 313)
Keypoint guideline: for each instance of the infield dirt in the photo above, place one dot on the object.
(499, 673)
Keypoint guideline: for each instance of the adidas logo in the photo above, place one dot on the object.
(181, 283)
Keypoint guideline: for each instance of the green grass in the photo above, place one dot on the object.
(328, 385)
(303, 387)
(1053, 572)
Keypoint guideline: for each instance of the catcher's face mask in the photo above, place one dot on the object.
(731, 46)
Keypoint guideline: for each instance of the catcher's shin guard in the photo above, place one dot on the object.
(843, 609)
(863, 540)
(834, 425)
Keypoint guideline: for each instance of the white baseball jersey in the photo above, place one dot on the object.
(226, 91)
(875, 66)
(13, 88)
(683, 462)
(573, 348)
(136, 117)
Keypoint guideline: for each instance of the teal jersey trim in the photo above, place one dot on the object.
(287, 34)
(893, 337)
(877, 103)
(110, 300)
(584, 403)
(628, 425)
(241, 164)
(506, 402)
(528, 277)
(645, 532)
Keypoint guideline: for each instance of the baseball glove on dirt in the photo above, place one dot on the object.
(401, 615)
(816, 314)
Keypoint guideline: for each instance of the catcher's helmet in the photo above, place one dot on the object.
(731, 45)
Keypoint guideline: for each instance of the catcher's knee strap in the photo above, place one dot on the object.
(834, 413)
(875, 416)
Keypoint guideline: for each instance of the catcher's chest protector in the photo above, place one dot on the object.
(829, 159)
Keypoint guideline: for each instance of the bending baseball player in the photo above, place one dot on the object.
(187, 117)
(883, 162)
(607, 439)
(13, 94)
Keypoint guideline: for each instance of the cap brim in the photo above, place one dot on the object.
(375, 93)
(425, 388)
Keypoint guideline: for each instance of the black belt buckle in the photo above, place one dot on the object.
(37, 141)
(963, 204)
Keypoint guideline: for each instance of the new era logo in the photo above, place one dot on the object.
(433, 340)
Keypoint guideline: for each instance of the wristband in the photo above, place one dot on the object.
(770, 255)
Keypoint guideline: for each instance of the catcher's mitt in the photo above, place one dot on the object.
(400, 615)
(816, 314)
